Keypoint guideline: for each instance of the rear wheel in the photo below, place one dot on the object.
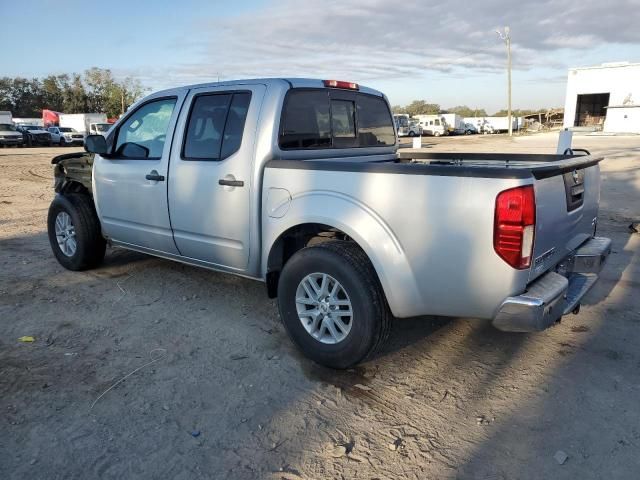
(437, 134)
(74, 232)
(332, 304)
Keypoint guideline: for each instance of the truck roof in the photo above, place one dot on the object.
(293, 83)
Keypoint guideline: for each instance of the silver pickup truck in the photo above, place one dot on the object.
(298, 183)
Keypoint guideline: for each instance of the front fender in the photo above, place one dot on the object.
(359, 222)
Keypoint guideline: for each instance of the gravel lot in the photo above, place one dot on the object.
(223, 394)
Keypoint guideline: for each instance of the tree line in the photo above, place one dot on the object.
(96, 90)
(422, 107)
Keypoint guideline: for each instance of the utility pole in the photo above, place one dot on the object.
(506, 38)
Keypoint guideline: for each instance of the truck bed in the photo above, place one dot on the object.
(431, 215)
(481, 165)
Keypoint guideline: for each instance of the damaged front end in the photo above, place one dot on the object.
(72, 172)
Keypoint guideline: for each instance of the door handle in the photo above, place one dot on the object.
(231, 183)
(155, 176)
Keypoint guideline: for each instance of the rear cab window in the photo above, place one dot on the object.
(327, 118)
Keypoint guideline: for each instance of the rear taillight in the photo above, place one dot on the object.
(515, 220)
(340, 84)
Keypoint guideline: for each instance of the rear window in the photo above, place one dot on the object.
(374, 122)
(343, 118)
(312, 119)
(306, 120)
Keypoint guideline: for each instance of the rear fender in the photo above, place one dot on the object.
(359, 222)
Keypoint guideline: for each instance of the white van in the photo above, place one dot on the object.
(434, 125)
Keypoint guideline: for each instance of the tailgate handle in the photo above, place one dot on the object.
(577, 190)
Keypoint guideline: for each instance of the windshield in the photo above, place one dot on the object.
(7, 127)
(67, 129)
(103, 127)
(32, 127)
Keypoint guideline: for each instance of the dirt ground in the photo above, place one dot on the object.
(221, 392)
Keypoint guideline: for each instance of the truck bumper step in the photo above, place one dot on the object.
(555, 294)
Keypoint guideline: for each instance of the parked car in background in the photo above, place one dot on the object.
(99, 128)
(10, 136)
(34, 135)
(405, 126)
(415, 129)
(470, 129)
(64, 136)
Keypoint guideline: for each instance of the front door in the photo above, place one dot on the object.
(130, 183)
(211, 174)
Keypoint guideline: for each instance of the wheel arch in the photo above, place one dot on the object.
(352, 221)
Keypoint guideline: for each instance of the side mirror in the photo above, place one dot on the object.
(133, 150)
(96, 144)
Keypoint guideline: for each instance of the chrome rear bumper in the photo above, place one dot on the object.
(555, 294)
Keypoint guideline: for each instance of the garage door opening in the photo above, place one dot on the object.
(591, 110)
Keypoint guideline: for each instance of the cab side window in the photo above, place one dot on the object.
(215, 126)
(143, 134)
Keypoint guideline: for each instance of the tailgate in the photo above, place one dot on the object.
(567, 198)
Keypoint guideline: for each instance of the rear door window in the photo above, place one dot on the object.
(215, 126)
(234, 127)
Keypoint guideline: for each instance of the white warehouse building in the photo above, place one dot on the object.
(604, 97)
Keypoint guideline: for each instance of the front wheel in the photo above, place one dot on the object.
(74, 232)
(332, 304)
(62, 142)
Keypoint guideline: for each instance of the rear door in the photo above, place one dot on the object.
(130, 187)
(211, 172)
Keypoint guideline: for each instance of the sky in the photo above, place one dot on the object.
(443, 52)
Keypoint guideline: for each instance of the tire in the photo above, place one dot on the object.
(62, 142)
(412, 134)
(370, 322)
(90, 246)
(436, 134)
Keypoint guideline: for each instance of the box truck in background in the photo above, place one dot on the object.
(6, 117)
(81, 122)
(455, 123)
